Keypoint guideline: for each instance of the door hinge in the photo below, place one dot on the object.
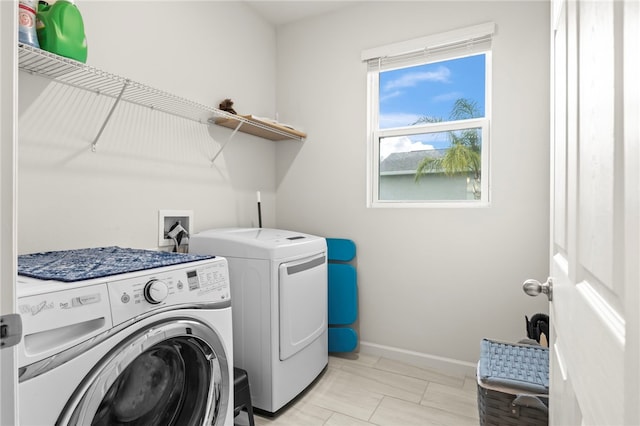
(10, 330)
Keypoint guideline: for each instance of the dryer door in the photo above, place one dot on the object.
(174, 372)
(303, 303)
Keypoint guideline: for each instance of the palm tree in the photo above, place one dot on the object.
(463, 156)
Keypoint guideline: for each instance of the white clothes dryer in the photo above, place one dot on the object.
(279, 292)
(148, 347)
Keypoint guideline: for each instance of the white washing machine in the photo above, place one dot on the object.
(149, 347)
(279, 292)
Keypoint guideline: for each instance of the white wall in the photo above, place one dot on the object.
(432, 282)
(70, 197)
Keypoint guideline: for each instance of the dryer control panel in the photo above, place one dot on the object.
(204, 282)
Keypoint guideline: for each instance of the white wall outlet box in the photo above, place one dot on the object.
(168, 218)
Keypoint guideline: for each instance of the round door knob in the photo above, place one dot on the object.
(155, 291)
(535, 287)
(532, 287)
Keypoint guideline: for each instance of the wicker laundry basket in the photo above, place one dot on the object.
(513, 384)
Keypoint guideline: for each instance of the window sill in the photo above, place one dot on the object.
(428, 205)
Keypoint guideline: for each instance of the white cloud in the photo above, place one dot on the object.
(442, 75)
(397, 120)
(451, 96)
(390, 95)
(400, 144)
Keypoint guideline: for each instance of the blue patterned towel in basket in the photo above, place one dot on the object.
(517, 366)
(84, 264)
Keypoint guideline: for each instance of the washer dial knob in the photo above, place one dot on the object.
(155, 291)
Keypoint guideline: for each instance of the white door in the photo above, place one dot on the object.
(8, 136)
(303, 303)
(595, 353)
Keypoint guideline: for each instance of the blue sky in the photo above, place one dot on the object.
(428, 90)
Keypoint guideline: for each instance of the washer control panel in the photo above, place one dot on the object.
(190, 283)
(155, 291)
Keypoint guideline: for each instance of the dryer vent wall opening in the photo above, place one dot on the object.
(174, 229)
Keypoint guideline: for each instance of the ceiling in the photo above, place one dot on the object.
(284, 12)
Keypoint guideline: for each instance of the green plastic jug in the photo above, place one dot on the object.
(61, 30)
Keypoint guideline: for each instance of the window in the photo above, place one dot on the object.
(428, 125)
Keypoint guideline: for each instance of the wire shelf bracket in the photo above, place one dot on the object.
(240, 123)
(106, 120)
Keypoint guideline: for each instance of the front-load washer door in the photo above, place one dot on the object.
(174, 372)
(303, 303)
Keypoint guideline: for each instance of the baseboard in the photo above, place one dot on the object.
(419, 359)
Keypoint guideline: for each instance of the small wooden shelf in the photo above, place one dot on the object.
(264, 129)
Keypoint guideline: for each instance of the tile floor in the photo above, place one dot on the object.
(366, 390)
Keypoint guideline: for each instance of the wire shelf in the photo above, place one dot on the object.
(77, 74)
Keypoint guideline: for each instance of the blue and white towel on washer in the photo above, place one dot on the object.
(88, 263)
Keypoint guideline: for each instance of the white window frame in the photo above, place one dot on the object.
(436, 48)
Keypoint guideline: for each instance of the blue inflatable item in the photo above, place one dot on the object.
(340, 249)
(342, 339)
(343, 295)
